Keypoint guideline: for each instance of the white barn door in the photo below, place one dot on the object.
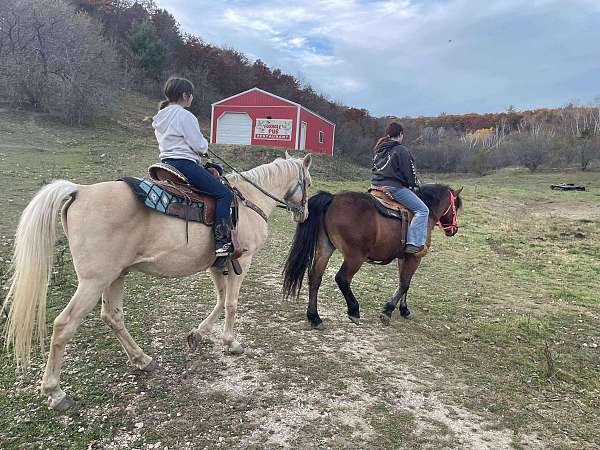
(303, 136)
(234, 128)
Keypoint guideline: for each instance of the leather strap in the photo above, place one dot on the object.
(250, 205)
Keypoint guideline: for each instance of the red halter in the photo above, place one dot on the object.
(453, 226)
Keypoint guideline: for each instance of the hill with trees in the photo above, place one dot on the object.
(70, 58)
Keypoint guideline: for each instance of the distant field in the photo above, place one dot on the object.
(516, 286)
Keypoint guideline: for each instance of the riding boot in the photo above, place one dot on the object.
(222, 232)
(411, 249)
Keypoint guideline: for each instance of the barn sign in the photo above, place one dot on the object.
(273, 129)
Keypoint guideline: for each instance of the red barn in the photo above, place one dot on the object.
(257, 117)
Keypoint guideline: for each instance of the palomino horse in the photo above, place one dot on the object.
(350, 222)
(111, 233)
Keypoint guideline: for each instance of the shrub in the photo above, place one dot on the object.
(55, 59)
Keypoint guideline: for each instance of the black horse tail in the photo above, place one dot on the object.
(303, 249)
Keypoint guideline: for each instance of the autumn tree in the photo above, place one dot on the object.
(533, 143)
(55, 59)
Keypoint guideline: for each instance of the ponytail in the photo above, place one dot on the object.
(163, 104)
(380, 141)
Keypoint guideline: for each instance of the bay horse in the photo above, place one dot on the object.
(111, 233)
(350, 223)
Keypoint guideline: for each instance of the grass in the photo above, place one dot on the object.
(518, 281)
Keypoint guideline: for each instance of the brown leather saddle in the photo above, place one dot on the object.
(389, 207)
(173, 181)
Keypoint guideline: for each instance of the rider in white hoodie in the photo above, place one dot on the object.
(181, 145)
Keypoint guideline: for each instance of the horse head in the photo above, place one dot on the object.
(297, 194)
(443, 203)
(448, 219)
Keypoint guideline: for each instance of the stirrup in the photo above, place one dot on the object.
(224, 250)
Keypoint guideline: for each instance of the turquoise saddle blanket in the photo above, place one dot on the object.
(155, 197)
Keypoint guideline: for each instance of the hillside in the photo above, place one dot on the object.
(121, 144)
(133, 46)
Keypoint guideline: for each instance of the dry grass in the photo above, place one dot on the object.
(502, 352)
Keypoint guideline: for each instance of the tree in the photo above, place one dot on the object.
(533, 144)
(167, 31)
(55, 59)
(583, 127)
(148, 49)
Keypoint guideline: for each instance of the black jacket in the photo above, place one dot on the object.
(393, 165)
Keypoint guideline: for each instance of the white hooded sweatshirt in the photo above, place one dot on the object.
(178, 134)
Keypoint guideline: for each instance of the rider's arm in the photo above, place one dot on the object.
(192, 134)
(406, 168)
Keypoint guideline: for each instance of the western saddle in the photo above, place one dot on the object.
(175, 182)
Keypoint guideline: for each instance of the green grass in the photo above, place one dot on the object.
(469, 370)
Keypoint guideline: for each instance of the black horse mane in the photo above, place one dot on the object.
(433, 194)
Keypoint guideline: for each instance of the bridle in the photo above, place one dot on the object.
(301, 184)
(292, 206)
(452, 227)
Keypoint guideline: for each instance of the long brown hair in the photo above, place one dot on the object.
(393, 130)
(174, 89)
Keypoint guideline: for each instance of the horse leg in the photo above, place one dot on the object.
(406, 269)
(112, 315)
(315, 276)
(65, 325)
(233, 283)
(343, 279)
(390, 305)
(197, 335)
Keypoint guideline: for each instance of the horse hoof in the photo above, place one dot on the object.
(319, 326)
(385, 319)
(355, 320)
(405, 312)
(63, 405)
(194, 340)
(236, 348)
(151, 367)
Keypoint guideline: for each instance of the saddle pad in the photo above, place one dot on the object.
(155, 196)
(387, 212)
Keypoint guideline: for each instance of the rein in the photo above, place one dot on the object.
(288, 205)
(453, 226)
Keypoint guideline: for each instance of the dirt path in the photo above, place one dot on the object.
(344, 387)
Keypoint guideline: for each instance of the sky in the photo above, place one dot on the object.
(416, 57)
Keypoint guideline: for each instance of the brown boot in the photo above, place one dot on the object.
(413, 249)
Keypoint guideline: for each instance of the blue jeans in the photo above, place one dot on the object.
(417, 230)
(202, 179)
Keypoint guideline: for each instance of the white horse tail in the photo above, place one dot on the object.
(32, 267)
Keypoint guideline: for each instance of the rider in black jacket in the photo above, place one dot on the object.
(393, 165)
(394, 168)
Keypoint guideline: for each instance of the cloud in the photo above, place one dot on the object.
(416, 57)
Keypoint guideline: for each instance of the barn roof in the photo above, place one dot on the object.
(275, 96)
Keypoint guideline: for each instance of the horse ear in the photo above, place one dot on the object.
(287, 155)
(459, 191)
(307, 161)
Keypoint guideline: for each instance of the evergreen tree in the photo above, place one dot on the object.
(147, 47)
